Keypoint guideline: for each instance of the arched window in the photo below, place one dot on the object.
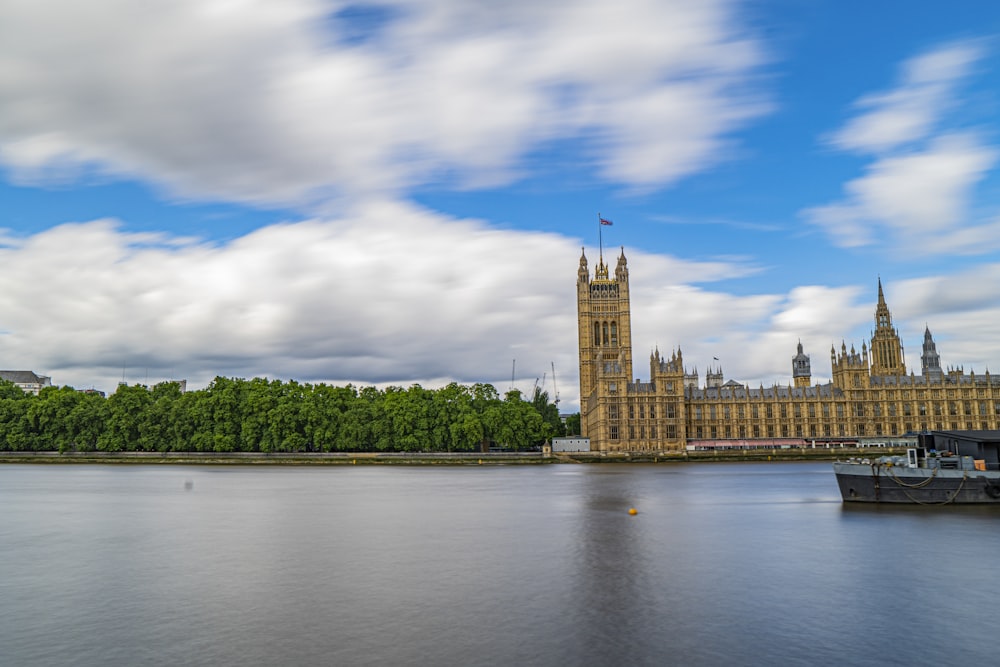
(597, 333)
(614, 333)
(604, 331)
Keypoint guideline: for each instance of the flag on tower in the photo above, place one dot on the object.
(605, 221)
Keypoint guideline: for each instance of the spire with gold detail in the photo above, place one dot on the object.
(886, 348)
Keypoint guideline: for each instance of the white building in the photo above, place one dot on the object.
(28, 381)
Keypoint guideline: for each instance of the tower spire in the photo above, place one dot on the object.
(886, 348)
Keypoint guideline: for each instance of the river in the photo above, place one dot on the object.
(723, 564)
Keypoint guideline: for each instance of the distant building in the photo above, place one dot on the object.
(872, 395)
(28, 381)
(574, 444)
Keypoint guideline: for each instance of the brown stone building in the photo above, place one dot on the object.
(871, 393)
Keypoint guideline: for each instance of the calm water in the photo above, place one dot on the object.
(742, 564)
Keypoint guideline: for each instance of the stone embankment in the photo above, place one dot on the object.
(438, 458)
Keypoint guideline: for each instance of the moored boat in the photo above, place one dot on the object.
(921, 477)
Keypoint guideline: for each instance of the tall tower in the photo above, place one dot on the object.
(605, 329)
(930, 360)
(801, 368)
(886, 349)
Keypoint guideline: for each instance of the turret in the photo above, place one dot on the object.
(930, 360)
(801, 368)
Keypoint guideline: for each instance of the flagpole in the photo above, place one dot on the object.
(600, 236)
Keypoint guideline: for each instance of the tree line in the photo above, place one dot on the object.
(261, 415)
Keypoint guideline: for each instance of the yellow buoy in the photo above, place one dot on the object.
(633, 511)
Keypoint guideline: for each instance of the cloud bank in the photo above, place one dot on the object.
(916, 194)
(303, 102)
(394, 294)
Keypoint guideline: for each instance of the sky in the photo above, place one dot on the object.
(398, 192)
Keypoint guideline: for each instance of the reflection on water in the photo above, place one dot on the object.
(736, 564)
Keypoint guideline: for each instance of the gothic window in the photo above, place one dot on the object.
(604, 333)
(812, 430)
(669, 411)
(614, 333)
(796, 410)
(597, 333)
(859, 410)
(756, 431)
(652, 412)
(812, 411)
(642, 411)
(754, 413)
(840, 414)
(671, 432)
(614, 432)
(631, 432)
(740, 413)
(631, 413)
(612, 411)
(783, 411)
(743, 431)
(770, 430)
(769, 411)
(725, 412)
(697, 412)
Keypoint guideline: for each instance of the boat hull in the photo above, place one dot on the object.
(879, 483)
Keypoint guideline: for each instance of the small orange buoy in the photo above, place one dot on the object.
(633, 511)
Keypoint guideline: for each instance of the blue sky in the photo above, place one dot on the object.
(397, 192)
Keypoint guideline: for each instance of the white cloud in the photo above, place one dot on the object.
(921, 199)
(260, 101)
(909, 112)
(916, 194)
(395, 294)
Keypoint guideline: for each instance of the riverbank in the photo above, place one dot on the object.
(434, 458)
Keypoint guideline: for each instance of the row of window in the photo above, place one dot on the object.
(954, 409)
(813, 431)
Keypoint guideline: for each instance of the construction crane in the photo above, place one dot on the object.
(555, 389)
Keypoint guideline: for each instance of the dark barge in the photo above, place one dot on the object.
(950, 467)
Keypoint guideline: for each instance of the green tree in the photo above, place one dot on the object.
(573, 424)
(125, 412)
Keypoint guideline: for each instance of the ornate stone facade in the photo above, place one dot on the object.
(871, 393)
